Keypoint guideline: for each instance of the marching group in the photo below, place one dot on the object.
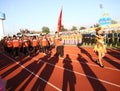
(31, 45)
(112, 39)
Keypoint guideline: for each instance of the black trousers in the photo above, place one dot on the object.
(60, 50)
(44, 49)
(15, 51)
(25, 50)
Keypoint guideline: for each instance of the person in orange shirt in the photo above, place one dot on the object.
(59, 45)
(25, 45)
(40, 43)
(15, 46)
(49, 42)
(44, 44)
(9, 45)
(20, 44)
(34, 45)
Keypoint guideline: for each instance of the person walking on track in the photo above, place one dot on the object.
(59, 45)
(15, 46)
(100, 46)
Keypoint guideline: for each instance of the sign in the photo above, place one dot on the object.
(105, 20)
(2, 16)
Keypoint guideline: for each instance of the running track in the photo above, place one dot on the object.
(77, 71)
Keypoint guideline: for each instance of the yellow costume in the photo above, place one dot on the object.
(100, 46)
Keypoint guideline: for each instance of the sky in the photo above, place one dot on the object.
(34, 14)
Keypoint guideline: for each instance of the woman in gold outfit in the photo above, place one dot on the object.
(100, 46)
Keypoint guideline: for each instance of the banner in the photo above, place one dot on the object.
(60, 21)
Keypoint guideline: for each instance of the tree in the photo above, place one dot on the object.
(74, 28)
(45, 29)
(63, 29)
(96, 25)
(81, 28)
(113, 22)
(24, 31)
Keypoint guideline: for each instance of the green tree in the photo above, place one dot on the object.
(63, 28)
(74, 28)
(81, 28)
(113, 22)
(96, 25)
(45, 29)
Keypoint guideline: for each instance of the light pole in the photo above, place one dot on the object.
(2, 17)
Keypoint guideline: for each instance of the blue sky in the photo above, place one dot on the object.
(34, 14)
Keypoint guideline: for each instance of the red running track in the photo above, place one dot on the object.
(77, 71)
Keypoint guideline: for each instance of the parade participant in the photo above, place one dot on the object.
(72, 39)
(100, 47)
(63, 39)
(8, 45)
(25, 45)
(79, 38)
(83, 38)
(49, 41)
(115, 38)
(15, 46)
(92, 38)
(44, 45)
(59, 46)
(76, 38)
(34, 45)
(110, 41)
(20, 44)
(67, 39)
(40, 43)
(119, 39)
(88, 38)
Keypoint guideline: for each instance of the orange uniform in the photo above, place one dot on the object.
(44, 42)
(58, 41)
(9, 43)
(20, 43)
(34, 42)
(25, 43)
(15, 43)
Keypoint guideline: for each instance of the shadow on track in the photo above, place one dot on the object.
(114, 54)
(82, 50)
(45, 74)
(110, 61)
(96, 84)
(69, 77)
(14, 82)
(15, 67)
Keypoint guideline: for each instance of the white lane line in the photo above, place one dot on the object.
(93, 64)
(110, 83)
(93, 56)
(58, 89)
(96, 65)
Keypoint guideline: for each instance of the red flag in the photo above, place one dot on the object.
(60, 21)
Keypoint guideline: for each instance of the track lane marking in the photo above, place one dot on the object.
(110, 83)
(58, 89)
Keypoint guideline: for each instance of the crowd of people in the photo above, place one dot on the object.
(27, 45)
(30, 45)
(112, 39)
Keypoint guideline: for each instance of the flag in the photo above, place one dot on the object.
(60, 21)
